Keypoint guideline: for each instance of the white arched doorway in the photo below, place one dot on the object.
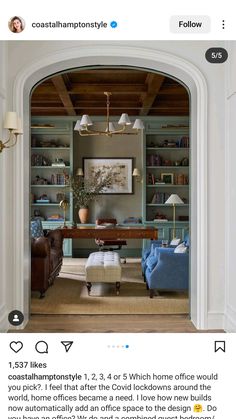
(117, 55)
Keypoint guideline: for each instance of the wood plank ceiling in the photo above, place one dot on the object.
(136, 92)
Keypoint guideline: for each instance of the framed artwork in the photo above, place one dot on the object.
(121, 169)
(167, 178)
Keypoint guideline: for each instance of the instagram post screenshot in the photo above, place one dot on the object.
(118, 199)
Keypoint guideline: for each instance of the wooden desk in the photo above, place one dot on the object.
(118, 232)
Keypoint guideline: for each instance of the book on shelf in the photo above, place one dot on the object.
(60, 179)
(160, 220)
(159, 198)
(42, 201)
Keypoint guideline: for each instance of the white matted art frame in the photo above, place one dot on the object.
(121, 169)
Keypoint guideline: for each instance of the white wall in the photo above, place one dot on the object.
(22, 54)
(230, 194)
(6, 164)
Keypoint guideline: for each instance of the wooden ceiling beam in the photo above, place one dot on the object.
(63, 94)
(154, 83)
(67, 81)
(133, 91)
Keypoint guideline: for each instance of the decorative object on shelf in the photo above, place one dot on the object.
(58, 163)
(43, 199)
(177, 163)
(167, 178)
(174, 199)
(40, 181)
(185, 161)
(64, 204)
(83, 125)
(137, 175)
(13, 123)
(60, 196)
(86, 190)
(169, 143)
(167, 162)
(37, 213)
(40, 160)
(118, 169)
(160, 217)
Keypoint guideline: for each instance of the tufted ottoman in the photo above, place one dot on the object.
(103, 267)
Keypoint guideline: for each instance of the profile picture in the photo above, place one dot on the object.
(16, 24)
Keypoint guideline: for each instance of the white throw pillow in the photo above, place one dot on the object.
(175, 242)
(181, 248)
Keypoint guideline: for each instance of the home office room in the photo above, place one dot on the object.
(127, 139)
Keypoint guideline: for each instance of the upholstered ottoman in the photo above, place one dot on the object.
(103, 267)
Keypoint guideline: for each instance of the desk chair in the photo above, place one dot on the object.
(105, 245)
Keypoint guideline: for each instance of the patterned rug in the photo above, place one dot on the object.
(69, 294)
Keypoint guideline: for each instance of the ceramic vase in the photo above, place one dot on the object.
(83, 215)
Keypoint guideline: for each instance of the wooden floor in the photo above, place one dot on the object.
(112, 323)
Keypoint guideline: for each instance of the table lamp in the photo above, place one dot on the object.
(174, 199)
(64, 204)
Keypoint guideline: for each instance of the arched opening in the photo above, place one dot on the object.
(157, 61)
(161, 152)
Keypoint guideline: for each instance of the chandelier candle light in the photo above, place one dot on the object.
(13, 123)
(83, 125)
(174, 199)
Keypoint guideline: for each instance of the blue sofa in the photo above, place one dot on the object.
(167, 270)
(147, 251)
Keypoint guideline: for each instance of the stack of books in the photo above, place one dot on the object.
(42, 201)
(55, 217)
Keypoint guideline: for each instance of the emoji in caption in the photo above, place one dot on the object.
(197, 408)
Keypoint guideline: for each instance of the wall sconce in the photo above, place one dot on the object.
(14, 126)
(137, 175)
(79, 172)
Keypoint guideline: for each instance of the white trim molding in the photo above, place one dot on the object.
(230, 319)
(114, 54)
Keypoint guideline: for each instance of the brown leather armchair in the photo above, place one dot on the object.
(46, 260)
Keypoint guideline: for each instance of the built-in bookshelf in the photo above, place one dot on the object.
(51, 163)
(167, 163)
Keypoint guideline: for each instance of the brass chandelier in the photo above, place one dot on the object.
(83, 125)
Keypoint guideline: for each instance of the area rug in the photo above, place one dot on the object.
(69, 294)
